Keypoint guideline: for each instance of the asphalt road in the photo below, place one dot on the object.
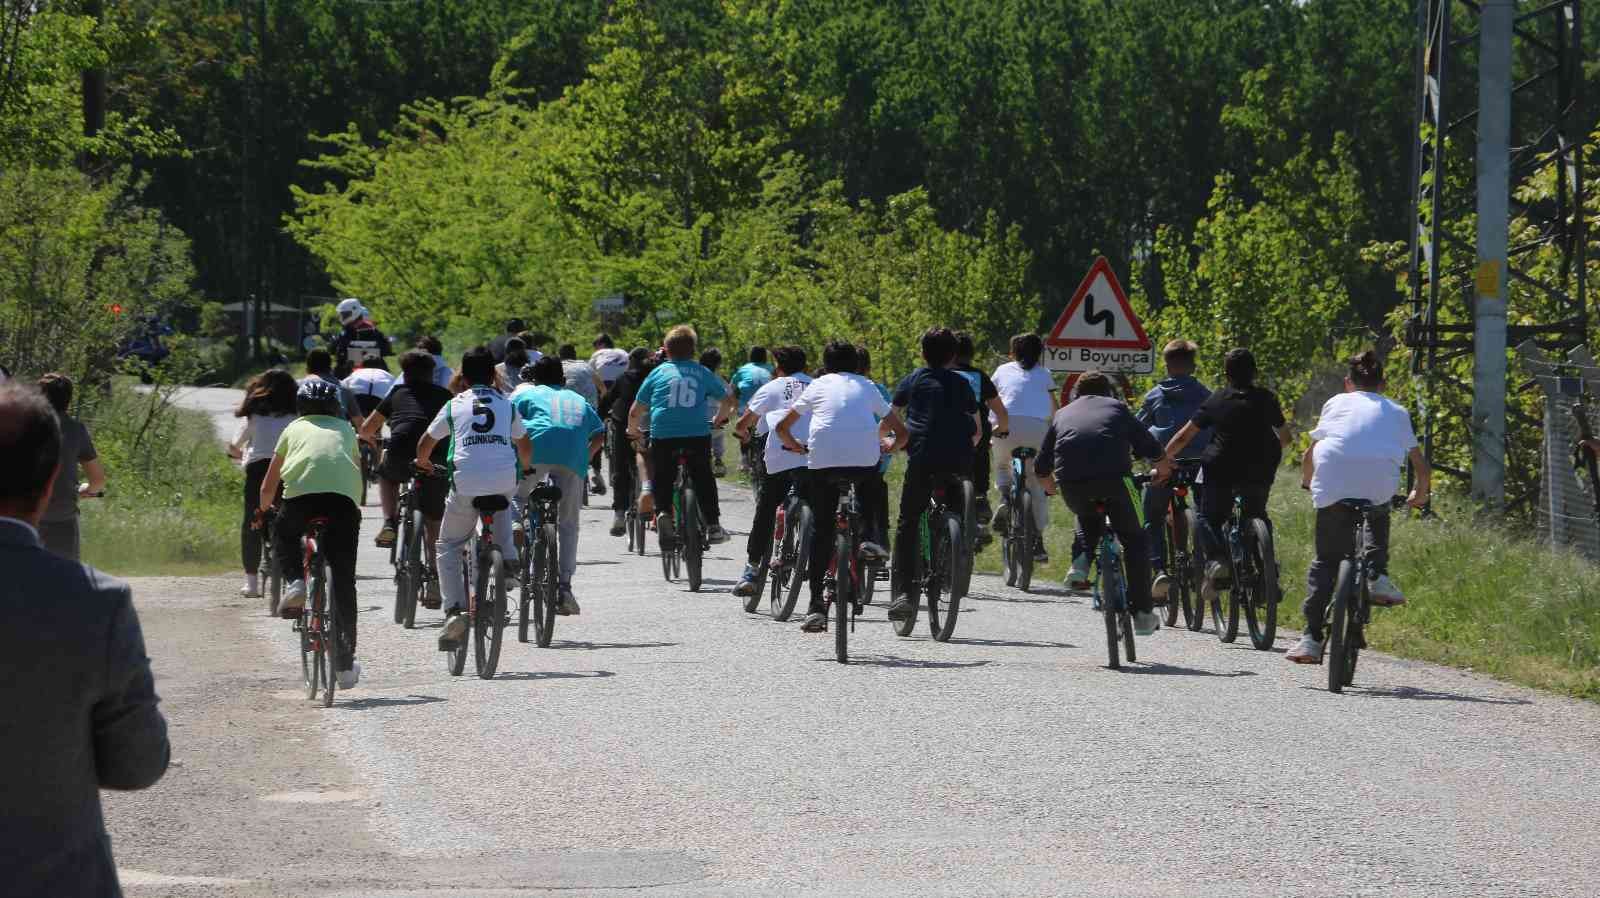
(668, 744)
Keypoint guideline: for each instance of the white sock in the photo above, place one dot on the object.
(250, 582)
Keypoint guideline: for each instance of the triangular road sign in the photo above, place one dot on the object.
(1098, 317)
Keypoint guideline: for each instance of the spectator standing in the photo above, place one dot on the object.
(58, 527)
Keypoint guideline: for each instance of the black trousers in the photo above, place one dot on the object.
(249, 537)
(775, 489)
(1336, 541)
(982, 467)
(664, 456)
(339, 540)
(827, 486)
(915, 492)
(623, 466)
(1216, 504)
(1122, 507)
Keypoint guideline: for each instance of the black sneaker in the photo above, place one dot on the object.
(901, 608)
(664, 534)
(815, 622)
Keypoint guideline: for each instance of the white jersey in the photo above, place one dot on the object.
(772, 403)
(845, 410)
(481, 426)
(374, 382)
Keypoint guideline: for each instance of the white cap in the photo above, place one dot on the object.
(350, 309)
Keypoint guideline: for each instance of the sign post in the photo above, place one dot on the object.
(1098, 330)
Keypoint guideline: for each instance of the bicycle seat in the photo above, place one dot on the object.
(491, 504)
(842, 479)
(548, 491)
(1024, 453)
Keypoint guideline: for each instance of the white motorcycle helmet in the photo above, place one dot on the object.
(350, 309)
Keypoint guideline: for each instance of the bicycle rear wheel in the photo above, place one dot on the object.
(1343, 640)
(310, 658)
(274, 580)
(841, 598)
(802, 529)
(329, 618)
(455, 660)
(1225, 613)
(547, 596)
(690, 539)
(1169, 612)
(489, 623)
(1261, 607)
(1194, 611)
(1111, 599)
(962, 564)
(1029, 530)
(944, 602)
(399, 556)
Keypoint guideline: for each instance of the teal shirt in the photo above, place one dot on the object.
(559, 424)
(748, 379)
(676, 393)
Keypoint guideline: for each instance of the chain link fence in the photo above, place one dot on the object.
(1567, 515)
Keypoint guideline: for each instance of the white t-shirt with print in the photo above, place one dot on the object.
(772, 403)
(1362, 441)
(481, 425)
(608, 364)
(845, 410)
(374, 382)
(1024, 392)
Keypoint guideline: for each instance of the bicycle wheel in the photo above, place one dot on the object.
(310, 658)
(962, 564)
(944, 602)
(455, 660)
(400, 558)
(692, 535)
(753, 601)
(547, 596)
(1174, 598)
(1194, 611)
(1029, 530)
(802, 528)
(1261, 610)
(1111, 598)
(912, 590)
(841, 598)
(1343, 641)
(329, 618)
(274, 576)
(1225, 613)
(489, 624)
(1008, 551)
(527, 596)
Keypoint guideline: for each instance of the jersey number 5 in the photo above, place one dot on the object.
(482, 410)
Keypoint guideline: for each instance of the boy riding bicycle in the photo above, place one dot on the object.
(1086, 456)
(1168, 406)
(487, 441)
(1357, 448)
(785, 469)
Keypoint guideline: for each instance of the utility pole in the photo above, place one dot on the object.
(1491, 281)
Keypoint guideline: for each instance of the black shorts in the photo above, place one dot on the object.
(396, 468)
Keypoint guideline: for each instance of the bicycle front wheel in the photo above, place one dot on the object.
(962, 562)
(548, 593)
(274, 580)
(693, 548)
(1261, 606)
(802, 529)
(1344, 642)
(944, 601)
(455, 660)
(841, 598)
(1169, 611)
(1225, 613)
(489, 623)
(1029, 530)
(329, 618)
(1188, 573)
(1112, 600)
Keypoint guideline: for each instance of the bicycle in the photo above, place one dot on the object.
(484, 577)
(848, 577)
(369, 467)
(1183, 565)
(787, 559)
(415, 567)
(270, 568)
(940, 544)
(540, 573)
(317, 623)
(1351, 609)
(1254, 586)
(689, 545)
(1022, 530)
(1110, 589)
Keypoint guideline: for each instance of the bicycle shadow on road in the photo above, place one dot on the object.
(554, 675)
(912, 663)
(1011, 643)
(1425, 695)
(1173, 670)
(591, 646)
(379, 701)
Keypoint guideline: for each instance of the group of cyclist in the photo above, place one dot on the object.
(511, 418)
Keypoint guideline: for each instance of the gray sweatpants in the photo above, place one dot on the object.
(460, 522)
(567, 520)
(1335, 541)
(1026, 433)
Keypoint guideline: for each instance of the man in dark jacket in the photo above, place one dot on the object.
(1087, 456)
(79, 698)
(497, 346)
(1166, 408)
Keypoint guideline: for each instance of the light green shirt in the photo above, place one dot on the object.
(319, 456)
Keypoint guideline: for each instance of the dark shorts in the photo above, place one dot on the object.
(396, 468)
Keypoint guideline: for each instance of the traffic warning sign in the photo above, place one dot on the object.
(1098, 330)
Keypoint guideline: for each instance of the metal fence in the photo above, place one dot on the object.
(1567, 502)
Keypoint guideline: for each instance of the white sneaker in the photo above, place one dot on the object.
(1078, 577)
(294, 596)
(1306, 651)
(1160, 587)
(349, 678)
(251, 588)
(455, 627)
(1145, 623)
(1385, 593)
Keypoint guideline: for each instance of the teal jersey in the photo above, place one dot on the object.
(748, 379)
(676, 393)
(559, 423)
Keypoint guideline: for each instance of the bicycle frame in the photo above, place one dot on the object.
(847, 519)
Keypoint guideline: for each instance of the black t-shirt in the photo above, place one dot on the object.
(621, 396)
(408, 412)
(1243, 446)
(983, 387)
(938, 404)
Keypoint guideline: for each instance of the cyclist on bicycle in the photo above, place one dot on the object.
(369, 384)
(319, 366)
(1359, 444)
(1086, 456)
(711, 360)
(941, 417)
(487, 442)
(674, 397)
(408, 409)
(580, 378)
(316, 462)
(1168, 406)
(786, 469)
(1028, 393)
(564, 430)
(608, 362)
(358, 340)
(268, 407)
(1248, 435)
(625, 458)
(751, 376)
(988, 396)
(442, 372)
(878, 528)
(842, 442)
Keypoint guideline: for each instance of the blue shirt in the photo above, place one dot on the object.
(676, 393)
(748, 379)
(559, 423)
